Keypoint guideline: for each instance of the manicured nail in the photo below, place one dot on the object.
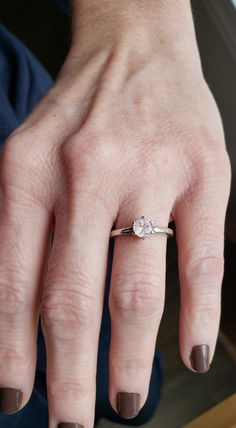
(128, 404)
(69, 425)
(10, 400)
(200, 358)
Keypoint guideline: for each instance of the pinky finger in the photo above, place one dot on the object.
(200, 222)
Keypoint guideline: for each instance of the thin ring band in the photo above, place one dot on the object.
(141, 228)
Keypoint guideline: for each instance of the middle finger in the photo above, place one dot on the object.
(71, 313)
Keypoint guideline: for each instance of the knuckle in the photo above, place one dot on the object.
(74, 391)
(81, 160)
(9, 162)
(220, 162)
(14, 150)
(70, 150)
(204, 292)
(13, 359)
(13, 301)
(132, 365)
(212, 160)
(204, 310)
(11, 145)
(86, 151)
(136, 298)
(208, 270)
(66, 311)
(81, 150)
(24, 171)
(224, 169)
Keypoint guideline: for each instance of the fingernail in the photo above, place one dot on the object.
(200, 358)
(10, 400)
(69, 425)
(128, 404)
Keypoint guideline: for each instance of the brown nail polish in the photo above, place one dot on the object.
(10, 400)
(69, 425)
(200, 358)
(128, 404)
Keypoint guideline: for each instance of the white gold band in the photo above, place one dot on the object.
(141, 228)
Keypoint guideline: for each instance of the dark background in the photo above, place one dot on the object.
(46, 31)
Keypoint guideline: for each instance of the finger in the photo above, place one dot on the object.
(72, 309)
(200, 221)
(136, 304)
(24, 235)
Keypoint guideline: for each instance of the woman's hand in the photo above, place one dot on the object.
(129, 129)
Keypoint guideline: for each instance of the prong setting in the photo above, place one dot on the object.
(143, 227)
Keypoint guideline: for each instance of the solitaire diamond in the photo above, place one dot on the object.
(143, 227)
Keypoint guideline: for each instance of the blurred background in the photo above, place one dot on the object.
(45, 29)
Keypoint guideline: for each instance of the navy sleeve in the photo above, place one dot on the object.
(63, 5)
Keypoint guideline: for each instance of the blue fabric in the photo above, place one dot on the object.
(23, 81)
(63, 5)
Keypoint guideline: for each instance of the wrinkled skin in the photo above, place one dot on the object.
(125, 131)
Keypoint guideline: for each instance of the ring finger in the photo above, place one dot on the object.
(136, 304)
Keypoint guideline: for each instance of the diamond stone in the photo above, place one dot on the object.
(143, 227)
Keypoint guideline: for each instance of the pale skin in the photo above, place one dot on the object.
(130, 128)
